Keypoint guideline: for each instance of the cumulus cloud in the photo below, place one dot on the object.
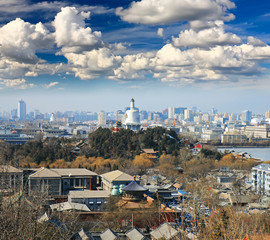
(71, 33)
(206, 38)
(169, 11)
(19, 40)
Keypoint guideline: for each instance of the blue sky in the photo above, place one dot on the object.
(96, 55)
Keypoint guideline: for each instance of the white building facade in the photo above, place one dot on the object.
(261, 178)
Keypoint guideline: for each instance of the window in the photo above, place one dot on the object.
(78, 182)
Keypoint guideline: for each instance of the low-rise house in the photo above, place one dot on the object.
(93, 199)
(115, 178)
(59, 181)
(11, 179)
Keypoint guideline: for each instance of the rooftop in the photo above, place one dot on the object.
(89, 194)
(117, 175)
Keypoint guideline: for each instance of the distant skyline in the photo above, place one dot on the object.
(97, 55)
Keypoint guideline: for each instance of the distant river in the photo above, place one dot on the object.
(256, 152)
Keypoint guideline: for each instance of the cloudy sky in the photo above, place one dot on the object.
(95, 55)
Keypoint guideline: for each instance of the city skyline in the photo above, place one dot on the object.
(76, 55)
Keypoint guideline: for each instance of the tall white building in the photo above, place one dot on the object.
(188, 115)
(261, 178)
(102, 118)
(132, 117)
(22, 110)
(171, 112)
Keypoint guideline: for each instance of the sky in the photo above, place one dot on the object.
(96, 55)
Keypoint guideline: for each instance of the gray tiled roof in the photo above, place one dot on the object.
(117, 175)
(89, 194)
(9, 169)
(108, 235)
(135, 234)
(263, 166)
(61, 172)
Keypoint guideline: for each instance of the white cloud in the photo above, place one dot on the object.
(164, 12)
(255, 41)
(52, 84)
(16, 83)
(94, 63)
(206, 38)
(19, 40)
(71, 33)
(160, 32)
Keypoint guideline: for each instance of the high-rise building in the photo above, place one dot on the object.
(267, 114)
(246, 116)
(102, 118)
(171, 112)
(22, 110)
(188, 115)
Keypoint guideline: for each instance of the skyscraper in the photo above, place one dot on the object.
(22, 110)
(102, 118)
(246, 116)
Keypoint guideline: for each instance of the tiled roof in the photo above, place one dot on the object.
(61, 172)
(89, 194)
(135, 234)
(117, 175)
(134, 187)
(9, 169)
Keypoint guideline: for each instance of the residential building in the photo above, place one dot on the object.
(261, 178)
(188, 116)
(258, 131)
(102, 119)
(246, 116)
(59, 181)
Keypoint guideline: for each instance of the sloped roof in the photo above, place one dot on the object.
(9, 169)
(117, 175)
(89, 194)
(135, 234)
(66, 206)
(149, 151)
(134, 187)
(45, 172)
(82, 235)
(108, 235)
(73, 171)
(61, 172)
(164, 231)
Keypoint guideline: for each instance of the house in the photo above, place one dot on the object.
(11, 179)
(115, 178)
(93, 199)
(59, 181)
